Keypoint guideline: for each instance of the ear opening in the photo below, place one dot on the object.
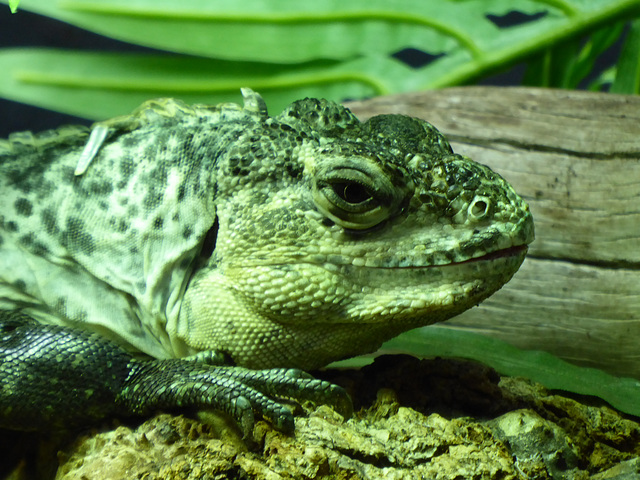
(209, 244)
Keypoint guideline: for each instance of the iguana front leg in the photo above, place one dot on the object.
(56, 377)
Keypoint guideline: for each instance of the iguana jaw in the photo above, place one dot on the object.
(330, 293)
(329, 312)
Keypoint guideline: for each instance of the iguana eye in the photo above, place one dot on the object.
(354, 198)
(352, 192)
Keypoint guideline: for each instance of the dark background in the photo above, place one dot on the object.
(26, 29)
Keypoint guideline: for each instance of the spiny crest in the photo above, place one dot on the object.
(318, 117)
(160, 112)
(25, 142)
(152, 112)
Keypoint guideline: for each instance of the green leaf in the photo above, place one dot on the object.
(603, 80)
(99, 85)
(553, 67)
(568, 63)
(628, 73)
(542, 367)
(13, 5)
(286, 48)
(599, 42)
(290, 31)
(280, 31)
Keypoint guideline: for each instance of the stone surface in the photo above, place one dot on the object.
(437, 418)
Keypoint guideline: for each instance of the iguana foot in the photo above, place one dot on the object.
(52, 376)
(238, 392)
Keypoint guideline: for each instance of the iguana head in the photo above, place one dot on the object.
(334, 235)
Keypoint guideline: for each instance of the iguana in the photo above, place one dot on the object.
(232, 250)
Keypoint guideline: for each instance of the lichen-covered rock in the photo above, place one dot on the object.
(518, 431)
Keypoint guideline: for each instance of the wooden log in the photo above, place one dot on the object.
(575, 157)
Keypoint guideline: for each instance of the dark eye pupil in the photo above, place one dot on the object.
(351, 192)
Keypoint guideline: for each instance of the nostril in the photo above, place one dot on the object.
(479, 208)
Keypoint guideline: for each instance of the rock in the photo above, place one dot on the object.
(439, 419)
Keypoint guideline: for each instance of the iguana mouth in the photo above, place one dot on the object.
(502, 253)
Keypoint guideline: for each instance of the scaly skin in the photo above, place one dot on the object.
(226, 234)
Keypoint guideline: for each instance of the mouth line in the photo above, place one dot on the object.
(505, 252)
(491, 256)
(495, 255)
